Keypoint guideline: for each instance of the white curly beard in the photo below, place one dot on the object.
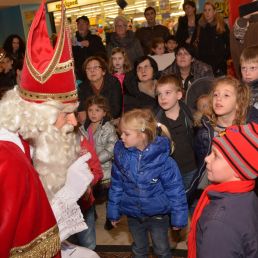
(55, 151)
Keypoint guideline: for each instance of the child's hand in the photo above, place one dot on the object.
(114, 223)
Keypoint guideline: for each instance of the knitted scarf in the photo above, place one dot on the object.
(228, 187)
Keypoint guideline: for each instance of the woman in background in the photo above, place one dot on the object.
(213, 40)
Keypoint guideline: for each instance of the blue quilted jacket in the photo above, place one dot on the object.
(147, 183)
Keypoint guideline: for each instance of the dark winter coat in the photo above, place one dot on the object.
(182, 135)
(146, 183)
(80, 54)
(133, 97)
(182, 33)
(213, 48)
(111, 90)
(130, 43)
(228, 226)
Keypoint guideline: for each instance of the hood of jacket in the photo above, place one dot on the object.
(157, 152)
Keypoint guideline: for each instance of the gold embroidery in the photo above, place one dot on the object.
(36, 96)
(51, 68)
(45, 245)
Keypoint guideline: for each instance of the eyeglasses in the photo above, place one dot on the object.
(93, 68)
(250, 69)
(143, 68)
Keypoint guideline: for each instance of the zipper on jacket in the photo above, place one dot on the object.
(139, 159)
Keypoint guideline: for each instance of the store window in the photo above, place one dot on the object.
(102, 14)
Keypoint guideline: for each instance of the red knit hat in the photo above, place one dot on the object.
(239, 145)
(48, 73)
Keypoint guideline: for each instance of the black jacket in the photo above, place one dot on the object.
(133, 97)
(213, 48)
(111, 90)
(182, 134)
(182, 33)
(80, 54)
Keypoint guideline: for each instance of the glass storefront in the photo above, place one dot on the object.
(102, 14)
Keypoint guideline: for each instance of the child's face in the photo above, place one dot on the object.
(95, 113)
(224, 100)
(218, 169)
(133, 138)
(118, 62)
(7, 64)
(249, 71)
(168, 96)
(171, 45)
(160, 49)
(202, 104)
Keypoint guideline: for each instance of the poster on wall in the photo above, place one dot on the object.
(28, 17)
(221, 6)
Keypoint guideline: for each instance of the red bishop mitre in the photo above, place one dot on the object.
(48, 73)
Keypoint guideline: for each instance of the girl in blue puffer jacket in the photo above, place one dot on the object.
(146, 184)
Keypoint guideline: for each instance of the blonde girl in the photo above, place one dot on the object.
(229, 104)
(146, 184)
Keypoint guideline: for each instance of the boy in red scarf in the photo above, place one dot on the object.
(225, 221)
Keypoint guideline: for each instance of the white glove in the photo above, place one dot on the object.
(79, 177)
(64, 204)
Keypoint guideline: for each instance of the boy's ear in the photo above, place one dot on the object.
(179, 95)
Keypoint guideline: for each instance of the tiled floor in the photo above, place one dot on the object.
(119, 235)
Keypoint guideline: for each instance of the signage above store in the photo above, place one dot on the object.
(56, 6)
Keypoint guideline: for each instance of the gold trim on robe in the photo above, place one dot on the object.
(46, 245)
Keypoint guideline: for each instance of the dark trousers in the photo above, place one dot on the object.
(158, 227)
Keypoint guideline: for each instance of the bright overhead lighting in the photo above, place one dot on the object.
(72, 10)
(177, 14)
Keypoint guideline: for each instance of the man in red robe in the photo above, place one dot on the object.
(38, 205)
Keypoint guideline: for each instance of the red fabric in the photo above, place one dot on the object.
(25, 212)
(88, 199)
(121, 77)
(40, 53)
(233, 11)
(228, 187)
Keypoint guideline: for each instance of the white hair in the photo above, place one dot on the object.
(54, 149)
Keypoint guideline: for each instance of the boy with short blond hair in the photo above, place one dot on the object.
(225, 220)
(177, 117)
(249, 70)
